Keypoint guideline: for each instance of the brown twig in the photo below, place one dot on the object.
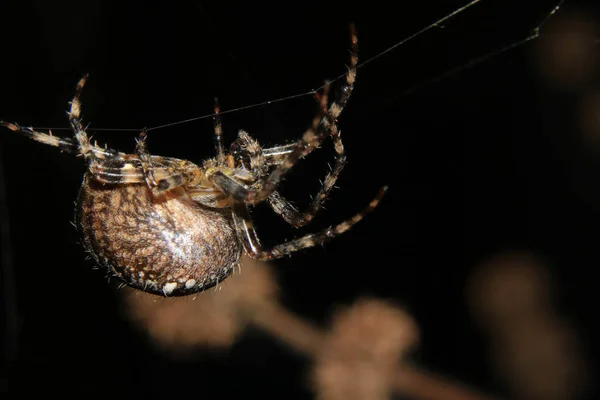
(359, 357)
(309, 339)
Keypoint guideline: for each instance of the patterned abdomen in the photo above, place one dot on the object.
(167, 244)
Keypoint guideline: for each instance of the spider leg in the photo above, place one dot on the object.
(275, 155)
(247, 234)
(230, 185)
(114, 167)
(241, 192)
(245, 231)
(142, 151)
(107, 166)
(85, 147)
(279, 204)
(244, 146)
(257, 193)
(168, 178)
(338, 105)
(287, 211)
(219, 134)
(299, 219)
(65, 144)
(313, 137)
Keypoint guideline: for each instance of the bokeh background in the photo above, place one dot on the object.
(498, 165)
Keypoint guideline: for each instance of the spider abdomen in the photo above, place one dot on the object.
(165, 244)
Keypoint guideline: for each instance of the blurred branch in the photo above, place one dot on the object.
(359, 357)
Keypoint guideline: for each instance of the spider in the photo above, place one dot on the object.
(170, 227)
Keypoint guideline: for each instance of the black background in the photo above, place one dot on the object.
(485, 161)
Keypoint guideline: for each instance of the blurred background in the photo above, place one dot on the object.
(488, 235)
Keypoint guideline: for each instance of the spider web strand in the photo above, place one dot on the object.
(471, 63)
(361, 64)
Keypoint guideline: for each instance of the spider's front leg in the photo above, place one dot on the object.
(247, 152)
(287, 156)
(276, 155)
(258, 164)
(247, 234)
(284, 208)
(253, 194)
(258, 193)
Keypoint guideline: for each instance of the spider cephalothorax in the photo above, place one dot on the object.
(171, 227)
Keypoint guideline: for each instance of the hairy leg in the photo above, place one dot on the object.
(313, 137)
(74, 113)
(162, 179)
(114, 167)
(248, 152)
(218, 135)
(247, 234)
(107, 165)
(245, 145)
(64, 144)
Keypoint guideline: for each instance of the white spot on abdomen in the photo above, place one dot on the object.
(190, 283)
(169, 287)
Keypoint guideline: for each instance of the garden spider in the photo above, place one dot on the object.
(170, 227)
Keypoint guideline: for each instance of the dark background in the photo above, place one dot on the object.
(485, 161)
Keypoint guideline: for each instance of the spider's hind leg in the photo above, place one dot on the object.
(106, 165)
(247, 234)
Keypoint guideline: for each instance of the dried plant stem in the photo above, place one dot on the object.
(309, 339)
